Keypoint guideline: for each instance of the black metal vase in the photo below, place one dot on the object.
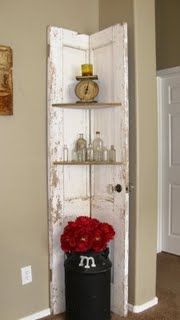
(87, 286)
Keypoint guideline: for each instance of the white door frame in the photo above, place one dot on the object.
(161, 75)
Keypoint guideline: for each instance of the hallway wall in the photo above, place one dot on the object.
(140, 15)
(23, 184)
(167, 33)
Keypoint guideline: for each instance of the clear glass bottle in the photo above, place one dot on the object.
(98, 147)
(81, 143)
(89, 153)
(112, 154)
(81, 155)
(65, 153)
(105, 154)
(74, 155)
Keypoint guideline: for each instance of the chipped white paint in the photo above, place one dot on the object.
(67, 198)
(70, 186)
(108, 53)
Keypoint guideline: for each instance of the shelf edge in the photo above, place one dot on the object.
(86, 163)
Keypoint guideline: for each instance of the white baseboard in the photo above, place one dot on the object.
(132, 308)
(143, 307)
(38, 315)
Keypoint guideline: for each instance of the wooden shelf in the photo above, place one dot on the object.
(86, 105)
(94, 77)
(85, 163)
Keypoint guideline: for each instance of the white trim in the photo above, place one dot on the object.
(38, 315)
(168, 72)
(143, 307)
(160, 166)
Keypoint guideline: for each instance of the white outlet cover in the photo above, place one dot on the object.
(26, 275)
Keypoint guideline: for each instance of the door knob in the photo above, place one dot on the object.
(118, 188)
(111, 188)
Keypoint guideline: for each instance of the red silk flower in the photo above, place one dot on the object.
(85, 234)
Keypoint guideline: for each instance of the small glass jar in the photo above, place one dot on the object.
(105, 154)
(74, 155)
(112, 154)
(81, 143)
(89, 153)
(81, 155)
(98, 147)
(87, 69)
(65, 153)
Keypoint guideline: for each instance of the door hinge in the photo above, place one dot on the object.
(50, 275)
(129, 188)
(48, 50)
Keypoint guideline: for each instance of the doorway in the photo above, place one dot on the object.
(168, 83)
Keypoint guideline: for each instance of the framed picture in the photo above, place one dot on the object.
(6, 82)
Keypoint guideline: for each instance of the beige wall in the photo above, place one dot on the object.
(23, 184)
(140, 15)
(145, 83)
(167, 33)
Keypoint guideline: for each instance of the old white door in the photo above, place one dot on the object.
(108, 53)
(170, 107)
(88, 190)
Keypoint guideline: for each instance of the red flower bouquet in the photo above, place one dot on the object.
(86, 234)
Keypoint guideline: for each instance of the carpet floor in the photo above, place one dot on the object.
(168, 293)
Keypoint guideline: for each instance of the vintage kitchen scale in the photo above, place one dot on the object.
(87, 89)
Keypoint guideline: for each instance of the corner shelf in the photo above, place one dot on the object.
(85, 163)
(86, 105)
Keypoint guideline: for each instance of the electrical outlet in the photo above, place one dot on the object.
(26, 275)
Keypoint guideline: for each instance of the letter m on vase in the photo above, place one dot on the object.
(85, 262)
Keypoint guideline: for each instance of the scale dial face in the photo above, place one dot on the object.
(86, 90)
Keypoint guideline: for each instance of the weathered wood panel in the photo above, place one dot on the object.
(67, 198)
(108, 53)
